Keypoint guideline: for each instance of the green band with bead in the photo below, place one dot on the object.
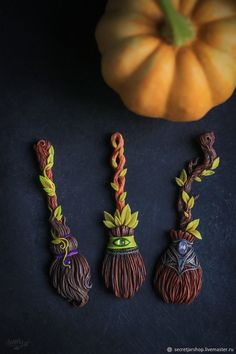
(117, 243)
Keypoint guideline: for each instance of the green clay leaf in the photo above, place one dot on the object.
(215, 164)
(123, 173)
(122, 196)
(179, 182)
(108, 224)
(56, 241)
(192, 225)
(114, 186)
(50, 160)
(208, 173)
(134, 225)
(191, 203)
(50, 192)
(183, 176)
(118, 221)
(196, 233)
(58, 213)
(197, 179)
(108, 217)
(185, 197)
(46, 182)
(133, 220)
(186, 214)
(114, 163)
(128, 215)
(123, 214)
(51, 150)
(117, 214)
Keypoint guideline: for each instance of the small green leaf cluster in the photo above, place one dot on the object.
(182, 178)
(192, 228)
(123, 218)
(48, 185)
(209, 172)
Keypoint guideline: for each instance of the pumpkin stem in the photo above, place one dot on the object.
(178, 29)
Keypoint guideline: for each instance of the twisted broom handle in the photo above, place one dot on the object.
(45, 154)
(195, 170)
(118, 161)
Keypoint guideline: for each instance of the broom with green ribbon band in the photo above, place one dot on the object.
(123, 267)
(69, 271)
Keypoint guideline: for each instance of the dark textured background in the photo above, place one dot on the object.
(51, 87)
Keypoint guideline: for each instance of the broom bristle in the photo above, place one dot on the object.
(178, 289)
(71, 277)
(172, 285)
(72, 283)
(124, 272)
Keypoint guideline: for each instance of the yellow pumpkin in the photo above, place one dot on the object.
(173, 59)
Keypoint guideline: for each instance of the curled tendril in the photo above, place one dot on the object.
(64, 245)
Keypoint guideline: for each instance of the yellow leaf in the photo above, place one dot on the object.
(197, 179)
(186, 214)
(196, 233)
(191, 203)
(108, 217)
(133, 220)
(114, 163)
(123, 173)
(179, 182)
(183, 176)
(51, 150)
(122, 196)
(128, 215)
(207, 173)
(117, 213)
(117, 221)
(193, 225)
(57, 213)
(114, 186)
(134, 224)
(123, 214)
(46, 182)
(185, 197)
(108, 224)
(216, 163)
(56, 241)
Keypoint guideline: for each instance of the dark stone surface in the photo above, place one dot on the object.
(51, 87)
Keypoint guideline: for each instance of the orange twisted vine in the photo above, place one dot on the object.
(118, 162)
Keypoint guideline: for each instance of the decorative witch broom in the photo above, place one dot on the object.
(69, 272)
(178, 277)
(123, 267)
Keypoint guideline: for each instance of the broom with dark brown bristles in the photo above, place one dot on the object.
(123, 267)
(69, 271)
(178, 277)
